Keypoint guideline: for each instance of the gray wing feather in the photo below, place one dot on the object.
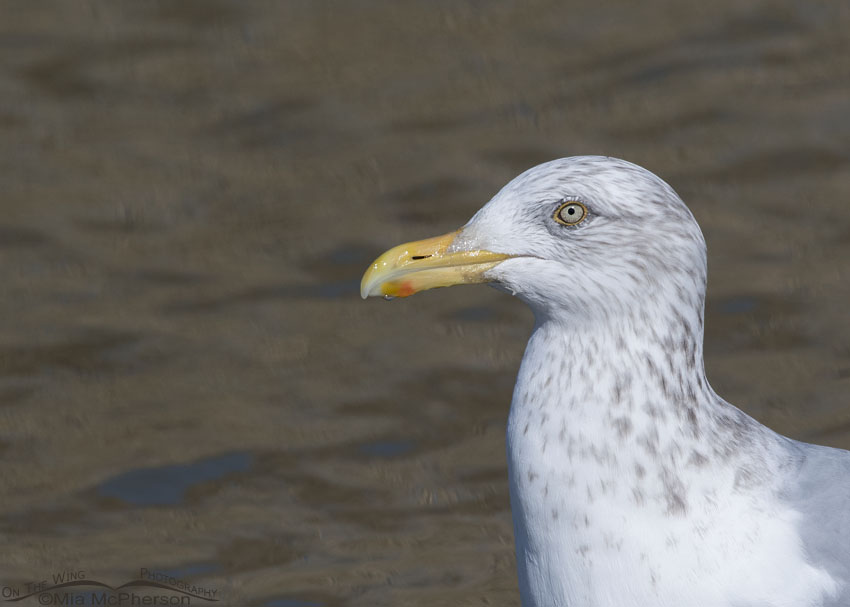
(820, 492)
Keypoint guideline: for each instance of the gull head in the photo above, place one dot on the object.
(586, 236)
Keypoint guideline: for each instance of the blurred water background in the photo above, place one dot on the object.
(191, 191)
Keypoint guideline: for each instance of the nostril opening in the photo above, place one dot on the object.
(419, 257)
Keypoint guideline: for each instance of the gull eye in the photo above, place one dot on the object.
(571, 213)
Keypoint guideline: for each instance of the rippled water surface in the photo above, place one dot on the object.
(189, 382)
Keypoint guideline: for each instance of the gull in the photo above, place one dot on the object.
(632, 483)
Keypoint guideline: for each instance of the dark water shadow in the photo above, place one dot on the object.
(674, 124)
(748, 28)
(194, 13)
(430, 124)
(265, 293)
(800, 161)
(474, 314)
(738, 304)
(291, 602)
(337, 271)
(189, 571)
(754, 322)
(15, 237)
(387, 449)
(519, 158)
(437, 201)
(277, 122)
(98, 350)
(167, 485)
(450, 407)
(12, 395)
(69, 72)
(168, 277)
(267, 551)
(345, 261)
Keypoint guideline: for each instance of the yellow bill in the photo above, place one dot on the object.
(426, 264)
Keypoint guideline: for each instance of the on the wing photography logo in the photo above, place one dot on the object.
(71, 588)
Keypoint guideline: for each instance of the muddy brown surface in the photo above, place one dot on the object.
(191, 191)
